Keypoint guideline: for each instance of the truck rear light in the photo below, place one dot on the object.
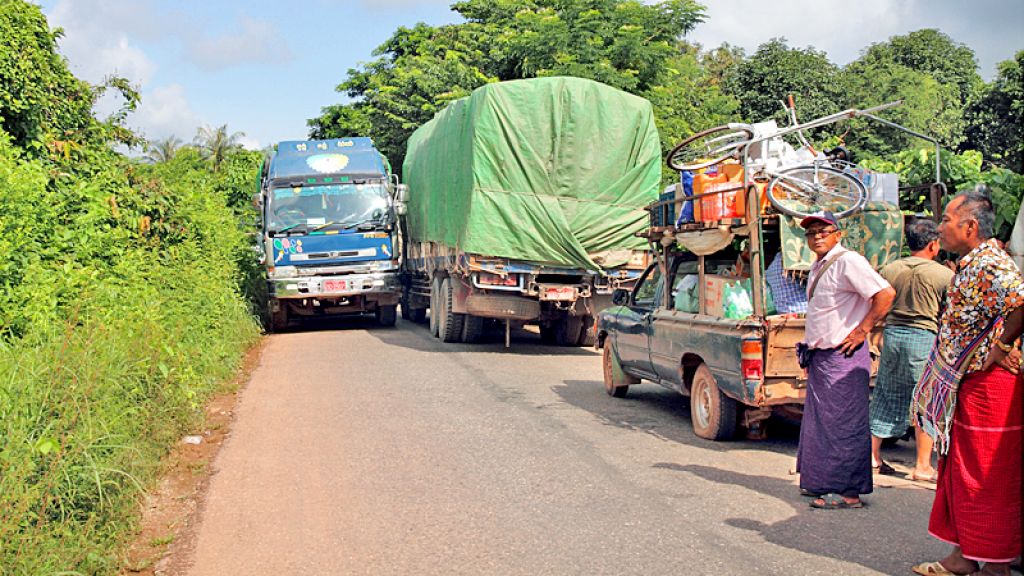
(752, 359)
(488, 279)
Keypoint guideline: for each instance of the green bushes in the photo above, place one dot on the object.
(121, 310)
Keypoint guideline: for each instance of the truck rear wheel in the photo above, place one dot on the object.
(472, 328)
(588, 335)
(416, 315)
(435, 313)
(566, 330)
(386, 315)
(449, 325)
(616, 381)
(712, 413)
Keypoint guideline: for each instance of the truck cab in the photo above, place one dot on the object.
(328, 231)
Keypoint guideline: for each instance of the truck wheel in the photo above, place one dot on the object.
(279, 319)
(435, 313)
(587, 335)
(472, 329)
(449, 324)
(568, 330)
(616, 381)
(386, 315)
(712, 413)
(404, 305)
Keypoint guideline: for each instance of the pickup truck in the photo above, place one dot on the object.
(736, 371)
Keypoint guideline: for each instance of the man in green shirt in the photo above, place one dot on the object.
(910, 328)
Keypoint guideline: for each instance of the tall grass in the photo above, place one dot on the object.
(121, 311)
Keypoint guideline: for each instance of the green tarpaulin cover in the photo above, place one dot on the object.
(548, 170)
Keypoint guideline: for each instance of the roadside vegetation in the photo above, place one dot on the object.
(125, 291)
(641, 47)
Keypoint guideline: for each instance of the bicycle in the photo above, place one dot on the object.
(796, 186)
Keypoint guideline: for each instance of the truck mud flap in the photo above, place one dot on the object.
(498, 306)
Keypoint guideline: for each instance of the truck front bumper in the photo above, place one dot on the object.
(339, 286)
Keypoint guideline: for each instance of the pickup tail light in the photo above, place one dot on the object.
(752, 359)
(489, 279)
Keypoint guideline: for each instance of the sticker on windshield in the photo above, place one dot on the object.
(327, 163)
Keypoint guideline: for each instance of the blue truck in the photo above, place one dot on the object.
(328, 231)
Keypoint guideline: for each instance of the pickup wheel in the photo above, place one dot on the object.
(616, 381)
(712, 413)
(386, 315)
(435, 305)
(449, 324)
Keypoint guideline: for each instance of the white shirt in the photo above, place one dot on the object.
(841, 299)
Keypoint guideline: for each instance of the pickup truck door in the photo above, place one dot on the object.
(634, 323)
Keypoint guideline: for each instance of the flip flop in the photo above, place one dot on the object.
(833, 501)
(884, 469)
(932, 569)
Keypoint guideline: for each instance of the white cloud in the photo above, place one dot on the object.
(256, 42)
(96, 41)
(249, 143)
(164, 111)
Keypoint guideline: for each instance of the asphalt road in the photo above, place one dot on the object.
(362, 450)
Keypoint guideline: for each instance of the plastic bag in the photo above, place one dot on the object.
(736, 300)
(685, 294)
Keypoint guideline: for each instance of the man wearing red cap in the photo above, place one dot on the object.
(846, 298)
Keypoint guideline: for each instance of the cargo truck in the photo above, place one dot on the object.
(523, 204)
(328, 231)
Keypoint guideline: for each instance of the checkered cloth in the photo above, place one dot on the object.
(904, 356)
(790, 295)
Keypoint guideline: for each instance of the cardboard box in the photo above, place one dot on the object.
(714, 290)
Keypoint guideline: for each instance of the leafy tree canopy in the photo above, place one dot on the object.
(995, 118)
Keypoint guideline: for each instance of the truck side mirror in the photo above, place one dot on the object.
(402, 193)
(620, 297)
(257, 200)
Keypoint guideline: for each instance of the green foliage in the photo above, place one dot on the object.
(216, 143)
(995, 118)
(123, 291)
(763, 81)
(916, 168)
(624, 43)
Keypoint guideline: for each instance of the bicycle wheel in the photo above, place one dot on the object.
(709, 147)
(804, 190)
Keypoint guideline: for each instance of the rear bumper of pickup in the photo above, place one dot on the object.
(339, 286)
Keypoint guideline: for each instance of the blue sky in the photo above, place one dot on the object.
(264, 67)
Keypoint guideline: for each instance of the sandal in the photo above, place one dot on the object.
(832, 501)
(884, 469)
(932, 569)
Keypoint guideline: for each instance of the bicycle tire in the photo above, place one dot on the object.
(699, 151)
(803, 190)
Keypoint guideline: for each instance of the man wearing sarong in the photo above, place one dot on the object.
(920, 283)
(846, 298)
(977, 505)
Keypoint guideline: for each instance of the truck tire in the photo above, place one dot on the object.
(712, 413)
(616, 381)
(279, 319)
(386, 315)
(449, 324)
(472, 329)
(568, 330)
(415, 315)
(588, 335)
(404, 305)
(435, 313)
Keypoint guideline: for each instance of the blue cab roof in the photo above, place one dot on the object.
(354, 157)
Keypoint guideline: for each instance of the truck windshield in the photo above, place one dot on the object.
(309, 208)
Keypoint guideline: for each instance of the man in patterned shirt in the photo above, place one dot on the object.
(977, 505)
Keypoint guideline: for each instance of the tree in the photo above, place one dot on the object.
(216, 143)
(762, 82)
(419, 70)
(995, 118)
(162, 150)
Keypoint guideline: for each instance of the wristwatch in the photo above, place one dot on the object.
(1004, 346)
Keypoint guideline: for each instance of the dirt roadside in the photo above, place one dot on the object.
(167, 530)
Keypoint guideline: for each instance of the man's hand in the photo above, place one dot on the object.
(1008, 361)
(853, 341)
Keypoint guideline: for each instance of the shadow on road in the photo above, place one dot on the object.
(887, 535)
(524, 342)
(664, 413)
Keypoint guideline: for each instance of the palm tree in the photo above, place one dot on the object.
(162, 150)
(215, 143)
